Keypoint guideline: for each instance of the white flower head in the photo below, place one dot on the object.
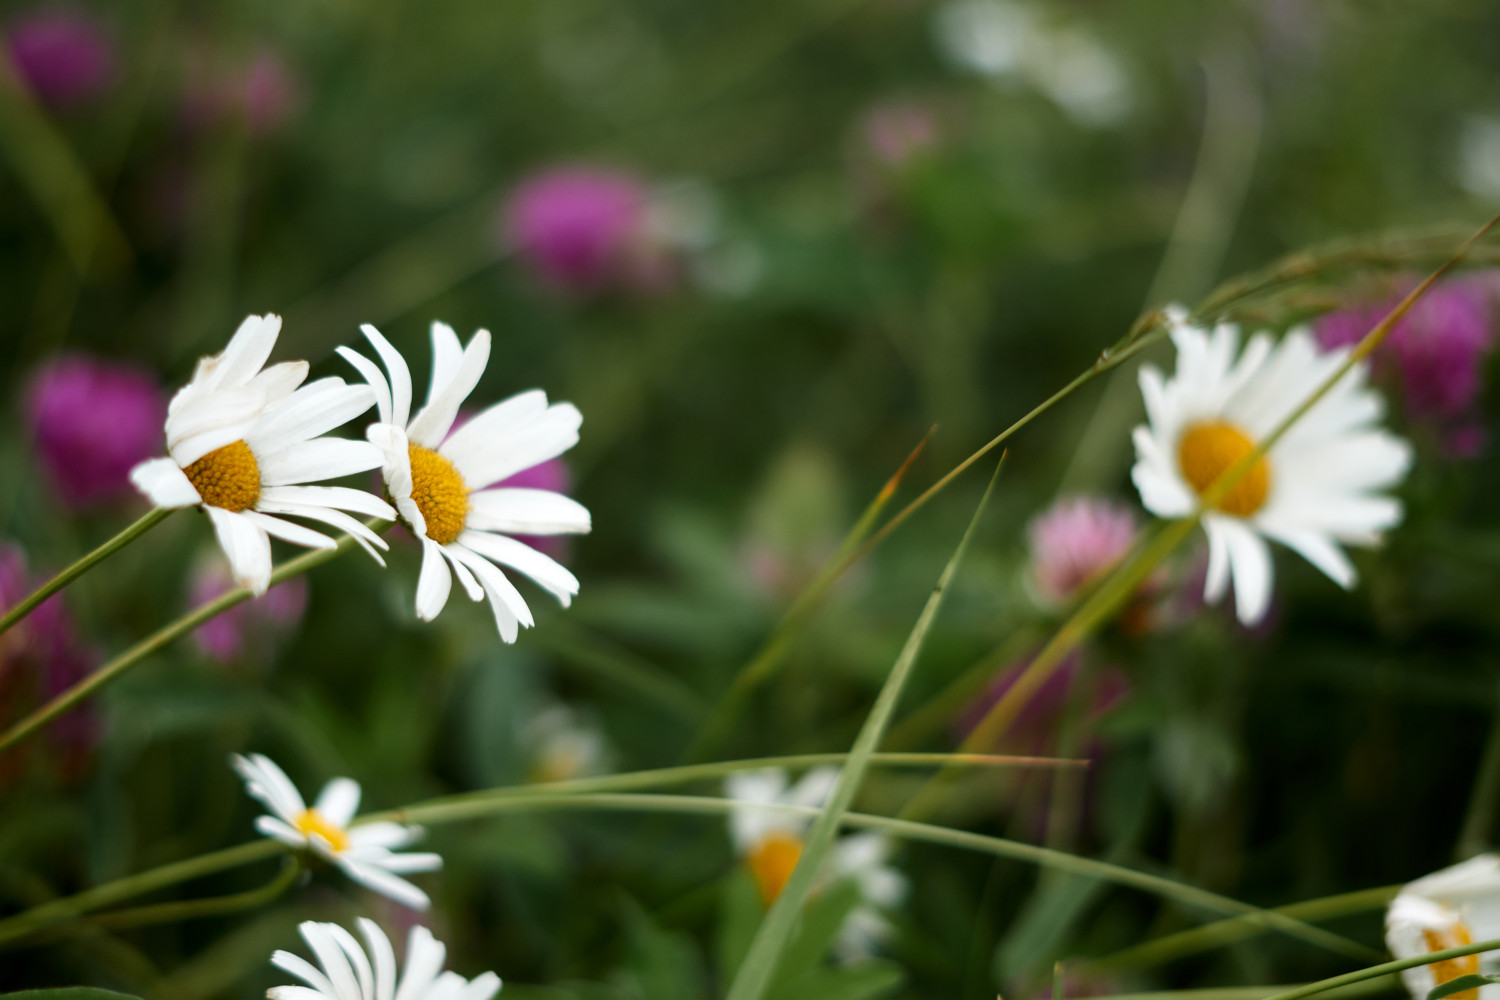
(565, 745)
(365, 852)
(437, 479)
(1456, 906)
(1319, 486)
(242, 438)
(351, 972)
(770, 840)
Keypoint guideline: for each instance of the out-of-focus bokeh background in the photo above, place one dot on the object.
(763, 247)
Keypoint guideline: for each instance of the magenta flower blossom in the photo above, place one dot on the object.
(248, 626)
(1076, 540)
(92, 420)
(65, 57)
(1436, 353)
(578, 228)
(264, 92)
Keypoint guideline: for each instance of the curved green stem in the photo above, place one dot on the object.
(135, 885)
(1385, 968)
(167, 634)
(150, 520)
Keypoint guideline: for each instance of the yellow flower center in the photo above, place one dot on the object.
(227, 477)
(1450, 969)
(771, 861)
(1208, 449)
(440, 494)
(310, 821)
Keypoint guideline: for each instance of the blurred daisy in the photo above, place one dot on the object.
(1320, 485)
(352, 972)
(771, 840)
(437, 479)
(565, 745)
(242, 440)
(364, 852)
(1447, 909)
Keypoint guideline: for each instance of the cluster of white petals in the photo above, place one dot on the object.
(347, 971)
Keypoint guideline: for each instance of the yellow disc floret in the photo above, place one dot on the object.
(771, 861)
(440, 494)
(227, 477)
(1450, 969)
(310, 821)
(1208, 449)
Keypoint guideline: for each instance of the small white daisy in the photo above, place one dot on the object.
(1321, 484)
(771, 841)
(437, 480)
(365, 852)
(1448, 909)
(350, 973)
(243, 438)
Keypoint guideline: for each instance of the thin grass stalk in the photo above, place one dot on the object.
(1369, 987)
(755, 973)
(1122, 582)
(154, 642)
(150, 520)
(1479, 820)
(764, 664)
(1385, 969)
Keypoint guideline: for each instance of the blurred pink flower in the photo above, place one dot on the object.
(1035, 729)
(1074, 541)
(40, 657)
(249, 625)
(898, 133)
(264, 92)
(92, 420)
(65, 57)
(1436, 353)
(578, 227)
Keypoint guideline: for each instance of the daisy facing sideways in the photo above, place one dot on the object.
(770, 840)
(243, 438)
(351, 972)
(365, 852)
(1457, 906)
(1321, 485)
(437, 479)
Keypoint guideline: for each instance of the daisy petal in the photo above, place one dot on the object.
(1250, 563)
(433, 582)
(310, 412)
(372, 375)
(527, 512)
(424, 959)
(552, 575)
(339, 801)
(289, 532)
(482, 461)
(388, 885)
(246, 546)
(319, 459)
(339, 497)
(432, 424)
(164, 484)
(384, 957)
(400, 375)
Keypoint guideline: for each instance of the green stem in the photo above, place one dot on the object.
(167, 634)
(135, 885)
(82, 566)
(1385, 968)
(1224, 932)
(1366, 988)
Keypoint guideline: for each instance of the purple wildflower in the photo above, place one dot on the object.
(578, 227)
(92, 420)
(1076, 540)
(897, 134)
(65, 57)
(230, 635)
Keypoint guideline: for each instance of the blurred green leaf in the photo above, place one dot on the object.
(1459, 985)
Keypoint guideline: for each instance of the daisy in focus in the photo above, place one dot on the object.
(771, 840)
(365, 852)
(1447, 909)
(243, 438)
(437, 479)
(350, 971)
(1321, 485)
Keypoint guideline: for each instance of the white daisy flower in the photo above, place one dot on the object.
(349, 972)
(1319, 485)
(365, 852)
(437, 480)
(566, 745)
(1448, 909)
(243, 438)
(771, 841)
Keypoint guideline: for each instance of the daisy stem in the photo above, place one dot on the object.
(135, 885)
(1386, 968)
(1366, 988)
(162, 637)
(150, 520)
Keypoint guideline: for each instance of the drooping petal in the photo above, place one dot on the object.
(550, 574)
(246, 546)
(433, 582)
(164, 484)
(289, 532)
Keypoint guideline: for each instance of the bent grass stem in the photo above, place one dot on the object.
(25, 607)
